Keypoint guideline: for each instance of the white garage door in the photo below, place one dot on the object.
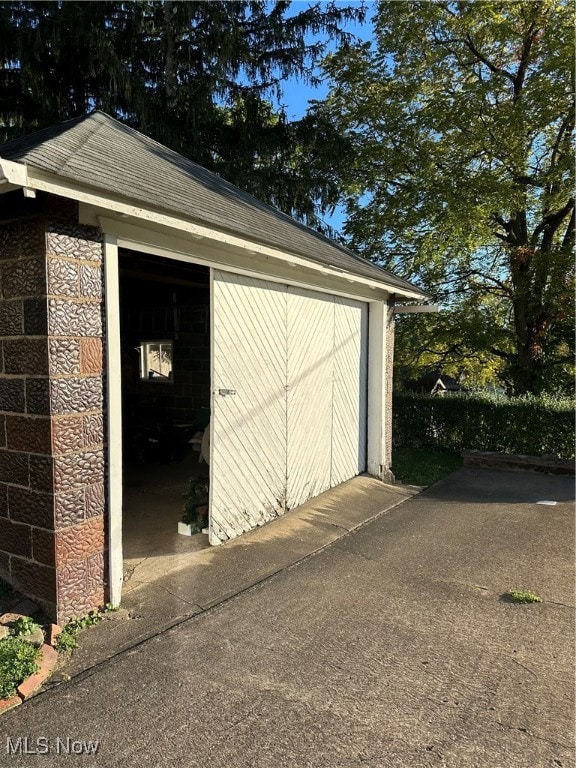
(289, 384)
(310, 366)
(349, 413)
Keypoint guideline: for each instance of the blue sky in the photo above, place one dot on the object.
(297, 95)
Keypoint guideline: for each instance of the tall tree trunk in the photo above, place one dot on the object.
(523, 368)
(531, 321)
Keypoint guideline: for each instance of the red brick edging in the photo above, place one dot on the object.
(33, 683)
(6, 704)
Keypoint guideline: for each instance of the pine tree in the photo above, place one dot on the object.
(204, 78)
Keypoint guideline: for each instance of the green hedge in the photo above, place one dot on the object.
(532, 426)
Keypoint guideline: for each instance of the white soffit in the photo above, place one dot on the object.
(229, 257)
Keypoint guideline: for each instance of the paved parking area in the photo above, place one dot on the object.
(390, 647)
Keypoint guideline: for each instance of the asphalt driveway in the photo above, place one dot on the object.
(391, 647)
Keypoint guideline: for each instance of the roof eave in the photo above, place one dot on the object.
(15, 175)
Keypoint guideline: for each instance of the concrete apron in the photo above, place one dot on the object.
(215, 573)
(165, 590)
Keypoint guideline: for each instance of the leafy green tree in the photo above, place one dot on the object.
(461, 118)
(453, 342)
(201, 77)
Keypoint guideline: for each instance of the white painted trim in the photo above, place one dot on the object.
(251, 268)
(229, 256)
(114, 418)
(212, 537)
(226, 259)
(111, 203)
(377, 316)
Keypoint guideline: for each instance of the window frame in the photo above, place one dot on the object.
(144, 345)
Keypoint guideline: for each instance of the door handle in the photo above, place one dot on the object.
(224, 392)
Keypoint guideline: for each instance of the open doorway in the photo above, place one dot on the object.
(165, 362)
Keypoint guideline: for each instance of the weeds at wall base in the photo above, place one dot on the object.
(68, 639)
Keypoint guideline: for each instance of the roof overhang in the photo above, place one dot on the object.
(14, 176)
(125, 219)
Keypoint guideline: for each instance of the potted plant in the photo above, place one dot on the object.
(195, 517)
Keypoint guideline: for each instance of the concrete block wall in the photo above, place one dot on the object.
(189, 389)
(52, 499)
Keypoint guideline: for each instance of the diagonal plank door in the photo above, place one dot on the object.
(289, 380)
(248, 451)
(350, 389)
(310, 375)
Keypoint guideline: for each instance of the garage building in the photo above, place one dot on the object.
(136, 283)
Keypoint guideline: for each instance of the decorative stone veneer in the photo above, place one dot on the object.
(52, 532)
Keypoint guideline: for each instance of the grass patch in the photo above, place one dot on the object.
(522, 596)
(423, 466)
(18, 660)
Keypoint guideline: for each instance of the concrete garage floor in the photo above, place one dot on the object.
(153, 505)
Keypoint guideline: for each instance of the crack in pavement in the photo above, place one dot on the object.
(129, 572)
(526, 668)
(182, 600)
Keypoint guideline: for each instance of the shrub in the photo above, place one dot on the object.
(24, 626)
(18, 660)
(527, 425)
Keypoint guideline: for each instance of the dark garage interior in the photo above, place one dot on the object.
(165, 354)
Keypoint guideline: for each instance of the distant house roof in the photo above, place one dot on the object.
(442, 380)
(433, 382)
(98, 151)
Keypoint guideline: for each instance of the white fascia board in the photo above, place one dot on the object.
(14, 176)
(34, 178)
(227, 259)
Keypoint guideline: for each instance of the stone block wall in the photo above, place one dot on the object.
(52, 500)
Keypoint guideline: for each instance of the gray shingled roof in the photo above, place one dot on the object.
(101, 152)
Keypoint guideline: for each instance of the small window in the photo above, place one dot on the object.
(156, 361)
